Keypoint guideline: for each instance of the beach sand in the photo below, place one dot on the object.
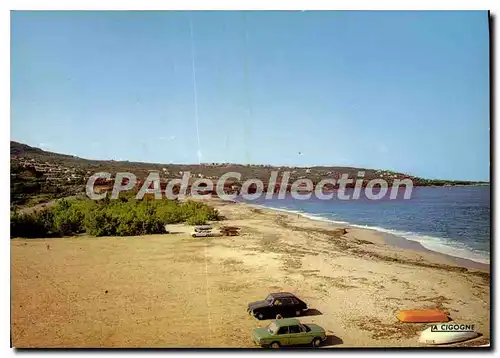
(177, 291)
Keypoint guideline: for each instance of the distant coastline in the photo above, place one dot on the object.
(39, 176)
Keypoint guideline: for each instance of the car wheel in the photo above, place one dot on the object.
(260, 315)
(279, 316)
(316, 342)
(297, 313)
(274, 345)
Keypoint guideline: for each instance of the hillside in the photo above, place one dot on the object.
(40, 174)
(20, 150)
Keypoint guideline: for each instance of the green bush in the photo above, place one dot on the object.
(100, 223)
(197, 219)
(170, 213)
(68, 218)
(124, 217)
(30, 225)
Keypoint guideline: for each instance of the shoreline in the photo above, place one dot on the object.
(406, 244)
(397, 243)
(370, 275)
(353, 281)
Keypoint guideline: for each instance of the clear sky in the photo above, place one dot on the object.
(407, 91)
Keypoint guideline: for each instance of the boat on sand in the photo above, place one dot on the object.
(422, 316)
(428, 336)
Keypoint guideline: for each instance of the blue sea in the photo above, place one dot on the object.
(452, 220)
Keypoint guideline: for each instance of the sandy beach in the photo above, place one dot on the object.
(177, 291)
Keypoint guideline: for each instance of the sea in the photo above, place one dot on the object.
(453, 220)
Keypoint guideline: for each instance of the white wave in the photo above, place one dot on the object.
(449, 247)
(437, 244)
(321, 218)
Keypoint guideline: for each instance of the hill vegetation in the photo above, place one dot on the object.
(39, 176)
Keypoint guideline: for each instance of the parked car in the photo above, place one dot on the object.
(277, 305)
(207, 233)
(202, 228)
(288, 332)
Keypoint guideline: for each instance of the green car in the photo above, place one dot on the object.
(288, 332)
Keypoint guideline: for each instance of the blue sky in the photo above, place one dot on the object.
(407, 91)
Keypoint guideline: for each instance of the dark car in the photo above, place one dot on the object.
(277, 305)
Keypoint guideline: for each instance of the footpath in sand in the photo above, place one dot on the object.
(177, 291)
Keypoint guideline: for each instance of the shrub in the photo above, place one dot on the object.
(106, 217)
(100, 223)
(30, 225)
(68, 218)
(45, 219)
(170, 214)
(191, 208)
(197, 219)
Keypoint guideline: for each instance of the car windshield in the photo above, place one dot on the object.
(306, 328)
(272, 328)
(269, 298)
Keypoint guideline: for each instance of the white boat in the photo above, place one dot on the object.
(428, 336)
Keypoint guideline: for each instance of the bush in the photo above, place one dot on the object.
(100, 223)
(197, 219)
(192, 208)
(30, 225)
(170, 213)
(68, 218)
(124, 217)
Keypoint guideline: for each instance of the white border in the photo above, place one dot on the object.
(184, 5)
(252, 5)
